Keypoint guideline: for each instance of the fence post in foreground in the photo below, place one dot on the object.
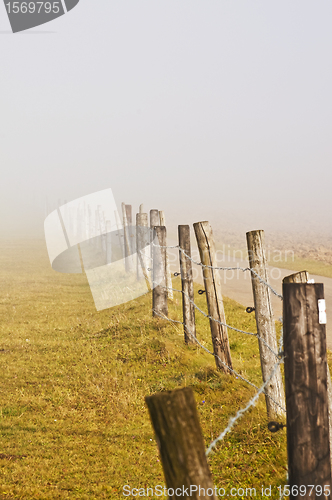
(181, 446)
(188, 307)
(303, 277)
(215, 303)
(168, 270)
(306, 392)
(265, 323)
(159, 293)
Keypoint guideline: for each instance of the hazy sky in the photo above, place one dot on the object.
(217, 110)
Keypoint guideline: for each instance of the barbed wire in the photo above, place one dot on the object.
(280, 356)
(220, 322)
(217, 268)
(223, 363)
(242, 411)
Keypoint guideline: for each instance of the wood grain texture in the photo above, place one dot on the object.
(159, 294)
(306, 387)
(179, 437)
(211, 277)
(129, 265)
(303, 277)
(187, 282)
(300, 277)
(265, 323)
(142, 246)
(170, 294)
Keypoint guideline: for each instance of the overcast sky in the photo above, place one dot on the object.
(217, 110)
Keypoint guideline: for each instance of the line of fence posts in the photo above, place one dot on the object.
(179, 437)
(307, 378)
(187, 283)
(211, 277)
(265, 323)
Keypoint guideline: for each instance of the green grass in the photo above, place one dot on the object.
(290, 261)
(72, 414)
(312, 266)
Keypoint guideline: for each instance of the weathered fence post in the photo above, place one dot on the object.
(168, 270)
(154, 221)
(303, 277)
(154, 218)
(131, 233)
(127, 245)
(181, 446)
(188, 307)
(143, 246)
(159, 294)
(265, 323)
(300, 277)
(306, 392)
(215, 303)
(129, 214)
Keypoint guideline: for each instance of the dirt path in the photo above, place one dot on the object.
(237, 285)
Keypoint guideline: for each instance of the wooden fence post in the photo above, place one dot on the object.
(265, 323)
(154, 218)
(168, 270)
(181, 446)
(159, 294)
(215, 303)
(306, 392)
(303, 277)
(127, 245)
(188, 307)
(120, 231)
(143, 246)
(129, 214)
(131, 233)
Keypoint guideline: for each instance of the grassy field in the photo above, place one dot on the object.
(300, 264)
(73, 418)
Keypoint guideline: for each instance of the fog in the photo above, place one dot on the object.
(216, 110)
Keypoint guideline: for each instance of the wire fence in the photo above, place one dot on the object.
(279, 355)
(217, 268)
